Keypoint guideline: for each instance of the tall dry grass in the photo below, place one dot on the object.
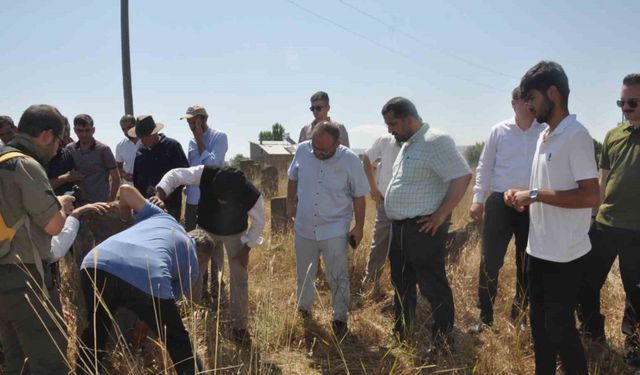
(282, 344)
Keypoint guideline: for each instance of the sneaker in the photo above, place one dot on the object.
(340, 329)
(479, 327)
(241, 336)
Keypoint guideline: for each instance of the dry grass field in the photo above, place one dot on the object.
(283, 345)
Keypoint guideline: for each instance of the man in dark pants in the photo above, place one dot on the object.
(563, 190)
(429, 179)
(159, 155)
(616, 230)
(144, 268)
(505, 163)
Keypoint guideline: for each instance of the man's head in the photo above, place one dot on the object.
(7, 129)
(325, 140)
(402, 118)
(196, 116)
(66, 132)
(83, 127)
(127, 122)
(630, 97)
(204, 245)
(519, 106)
(545, 90)
(146, 130)
(320, 106)
(43, 124)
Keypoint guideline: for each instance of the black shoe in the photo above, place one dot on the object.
(479, 327)
(340, 329)
(241, 336)
(305, 315)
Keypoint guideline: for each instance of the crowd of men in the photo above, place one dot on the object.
(536, 180)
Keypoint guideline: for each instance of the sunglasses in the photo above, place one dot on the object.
(316, 108)
(633, 102)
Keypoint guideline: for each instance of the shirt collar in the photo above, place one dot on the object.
(563, 125)
(420, 133)
(26, 144)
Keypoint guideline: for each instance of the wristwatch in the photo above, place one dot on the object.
(533, 194)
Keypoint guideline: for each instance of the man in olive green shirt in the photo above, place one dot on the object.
(30, 338)
(616, 231)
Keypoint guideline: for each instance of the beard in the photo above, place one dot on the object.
(546, 109)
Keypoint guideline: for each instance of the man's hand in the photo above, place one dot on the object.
(66, 201)
(509, 197)
(243, 256)
(126, 176)
(197, 132)
(521, 200)
(376, 195)
(431, 223)
(291, 212)
(100, 208)
(476, 211)
(157, 201)
(71, 176)
(356, 233)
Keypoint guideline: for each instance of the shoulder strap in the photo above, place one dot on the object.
(11, 155)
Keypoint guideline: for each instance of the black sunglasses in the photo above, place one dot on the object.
(633, 102)
(316, 108)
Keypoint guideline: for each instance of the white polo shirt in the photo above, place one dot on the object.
(385, 149)
(561, 234)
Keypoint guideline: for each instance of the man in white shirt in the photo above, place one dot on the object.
(505, 163)
(563, 191)
(126, 149)
(227, 201)
(384, 152)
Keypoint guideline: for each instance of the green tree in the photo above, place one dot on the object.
(277, 132)
(235, 161)
(265, 135)
(472, 154)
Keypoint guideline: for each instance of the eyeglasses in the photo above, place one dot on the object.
(316, 108)
(633, 102)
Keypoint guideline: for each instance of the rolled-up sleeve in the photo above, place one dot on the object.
(252, 237)
(180, 176)
(358, 183)
(61, 243)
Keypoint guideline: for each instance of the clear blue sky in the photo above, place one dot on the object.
(253, 63)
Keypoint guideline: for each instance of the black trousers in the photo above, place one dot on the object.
(500, 224)
(419, 258)
(609, 242)
(553, 291)
(161, 315)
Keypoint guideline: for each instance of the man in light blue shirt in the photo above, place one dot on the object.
(145, 269)
(327, 185)
(208, 147)
(429, 179)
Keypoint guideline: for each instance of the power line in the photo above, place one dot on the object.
(424, 43)
(387, 48)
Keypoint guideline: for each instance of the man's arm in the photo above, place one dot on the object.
(292, 202)
(455, 192)
(114, 183)
(71, 176)
(604, 176)
(586, 195)
(376, 194)
(252, 237)
(129, 199)
(359, 209)
(56, 222)
(176, 177)
(484, 176)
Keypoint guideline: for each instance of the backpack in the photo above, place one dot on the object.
(7, 233)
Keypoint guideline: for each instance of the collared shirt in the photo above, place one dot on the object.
(385, 149)
(126, 152)
(426, 164)
(59, 165)
(152, 163)
(506, 158)
(566, 156)
(154, 255)
(620, 155)
(25, 191)
(307, 131)
(215, 149)
(94, 164)
(326, 189)
(192, 176)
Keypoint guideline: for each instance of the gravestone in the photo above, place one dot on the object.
(269, 181)
(279, 220)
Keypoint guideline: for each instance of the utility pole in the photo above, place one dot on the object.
(126, 57)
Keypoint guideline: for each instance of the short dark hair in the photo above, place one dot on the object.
(516, 94)
(41, 117)
(83, 119)
(329, 128)
(401, 108)
(6, 121)
(128, 119)
(320, 95)
(204, 242)
(631, 79)
(544, 75)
